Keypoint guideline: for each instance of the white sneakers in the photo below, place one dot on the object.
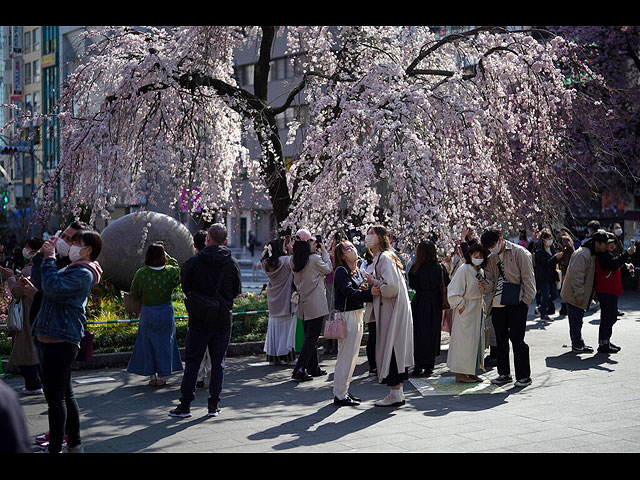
(38, 391)
(394, 399)
(68, 449)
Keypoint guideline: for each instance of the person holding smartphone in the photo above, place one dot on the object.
(59, 327)
(608, 286)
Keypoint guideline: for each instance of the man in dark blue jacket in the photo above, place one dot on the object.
(212, 274)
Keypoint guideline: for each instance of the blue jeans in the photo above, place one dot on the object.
(575, 315)
(196, 344)
(608, 316)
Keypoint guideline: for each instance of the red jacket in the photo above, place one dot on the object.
(608, 281)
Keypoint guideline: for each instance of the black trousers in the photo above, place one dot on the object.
(509, 323)
(308, 359)
(64, 414)
(371, 345)
(608, 316)
(197, 343)
(32, 376)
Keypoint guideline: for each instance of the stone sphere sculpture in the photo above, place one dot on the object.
(125, 242)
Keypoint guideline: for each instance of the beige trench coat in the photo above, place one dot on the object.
(309, 283)
(467, 330)
(392, 312)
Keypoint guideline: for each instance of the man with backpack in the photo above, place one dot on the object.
(211, 279)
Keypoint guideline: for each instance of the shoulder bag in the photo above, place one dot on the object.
(336, 327)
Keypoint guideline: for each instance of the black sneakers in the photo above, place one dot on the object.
(608, 348)
(182, 411)
(582, 349)
(502, 380)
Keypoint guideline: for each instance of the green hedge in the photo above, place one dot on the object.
(105, 303)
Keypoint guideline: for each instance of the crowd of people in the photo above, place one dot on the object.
(481, 291)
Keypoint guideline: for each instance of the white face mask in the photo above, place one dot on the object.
(369, 240)
(496, 250)
(618, 232)
(74, 253)
(26, 253)
(477, 261)
(548, 243)
(62, 247)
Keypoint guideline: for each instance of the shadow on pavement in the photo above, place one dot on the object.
(572, 361)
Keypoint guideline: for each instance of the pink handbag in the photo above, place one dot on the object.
(335, 328)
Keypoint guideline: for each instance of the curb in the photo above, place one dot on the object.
(121, 359)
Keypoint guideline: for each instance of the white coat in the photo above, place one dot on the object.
(392, 312)
(467, 329)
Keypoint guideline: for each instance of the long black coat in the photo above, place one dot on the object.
(426, 309)
(545, 269)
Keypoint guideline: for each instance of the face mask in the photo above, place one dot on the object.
(74, 253)
(28, 254)
(496, 250)
(62, 247)
(477, 261)
(369, 240)
(548, 243)
(618, 232)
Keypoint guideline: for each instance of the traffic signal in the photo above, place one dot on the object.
(4, 198)
(8, 150)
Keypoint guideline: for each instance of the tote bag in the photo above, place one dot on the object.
(14, 316)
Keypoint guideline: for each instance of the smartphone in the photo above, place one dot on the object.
(633, 242)
(318, 241)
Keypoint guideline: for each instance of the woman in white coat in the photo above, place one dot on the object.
(465, 294)
(392, 312)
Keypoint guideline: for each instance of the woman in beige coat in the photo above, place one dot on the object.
(392, 312)
(310, 264)
(465, 295)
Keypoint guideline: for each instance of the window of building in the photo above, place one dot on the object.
(27, 73)
(36, 39)
(36, 71)
(27, 42)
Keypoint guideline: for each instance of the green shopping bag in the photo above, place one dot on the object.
(299, 335)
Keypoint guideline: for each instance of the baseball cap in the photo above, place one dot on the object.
(304, 235)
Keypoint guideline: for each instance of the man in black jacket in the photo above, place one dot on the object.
(210, 274)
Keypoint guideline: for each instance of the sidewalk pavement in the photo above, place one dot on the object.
(577, 403)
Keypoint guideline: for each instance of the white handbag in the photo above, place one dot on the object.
(14, 316)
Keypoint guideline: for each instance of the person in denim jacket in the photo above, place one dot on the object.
(59, 328)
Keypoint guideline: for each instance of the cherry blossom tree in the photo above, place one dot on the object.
(605, 129)
(150, 111)
(420, 134)
(405, 133)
